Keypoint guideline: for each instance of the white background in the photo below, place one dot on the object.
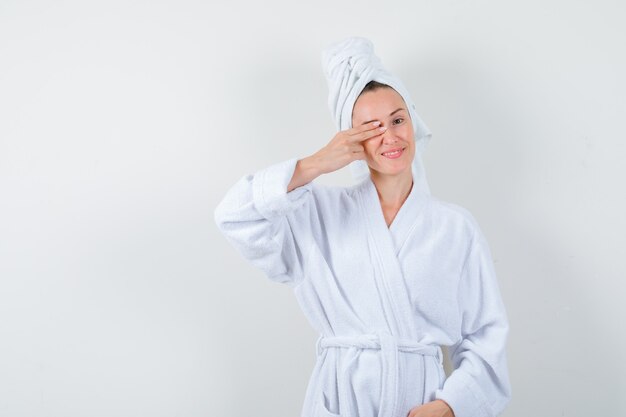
(122, 124)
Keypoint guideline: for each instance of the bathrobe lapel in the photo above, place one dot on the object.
(385, 246)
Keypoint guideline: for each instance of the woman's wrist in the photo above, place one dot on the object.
(449, 412)
(306, 171)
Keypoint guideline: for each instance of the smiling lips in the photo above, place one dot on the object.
(394, 153)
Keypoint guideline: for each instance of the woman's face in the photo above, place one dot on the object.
(388, 107)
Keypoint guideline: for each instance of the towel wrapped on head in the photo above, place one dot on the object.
(348, 66)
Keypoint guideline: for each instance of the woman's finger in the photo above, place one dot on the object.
(357, 148)
(368, 134)
(367, 127)
(358, 152)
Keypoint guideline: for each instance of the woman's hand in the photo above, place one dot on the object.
(346, 147)
(342, 149)
(437, 408)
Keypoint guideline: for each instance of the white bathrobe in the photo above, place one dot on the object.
(383, 299)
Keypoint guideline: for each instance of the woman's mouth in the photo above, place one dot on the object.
(394, 153)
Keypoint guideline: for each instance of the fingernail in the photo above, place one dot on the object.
(376, 123)
(382, 129)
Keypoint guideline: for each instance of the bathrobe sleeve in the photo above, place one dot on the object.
(479, 385)
(266, 224)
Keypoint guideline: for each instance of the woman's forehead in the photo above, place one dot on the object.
(372, 105)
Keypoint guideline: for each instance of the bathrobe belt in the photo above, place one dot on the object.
(389, 346)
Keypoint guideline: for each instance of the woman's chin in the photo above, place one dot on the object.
(394, 169)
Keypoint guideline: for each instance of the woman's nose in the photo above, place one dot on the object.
(389, 137)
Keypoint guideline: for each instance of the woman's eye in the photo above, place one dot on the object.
(399, 118)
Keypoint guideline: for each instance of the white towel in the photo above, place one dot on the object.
(348, 66)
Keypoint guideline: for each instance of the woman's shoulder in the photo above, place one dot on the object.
(453, 213)
(331, 191)
(334, 202)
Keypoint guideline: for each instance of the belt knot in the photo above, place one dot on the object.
(389, 346)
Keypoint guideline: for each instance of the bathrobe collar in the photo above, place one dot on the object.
(405, 221)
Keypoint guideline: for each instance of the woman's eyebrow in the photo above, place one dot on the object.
(390, 114)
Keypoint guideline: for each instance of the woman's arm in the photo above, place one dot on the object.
(267, 216)
(479, 386)
(307, 169)
(269, 223)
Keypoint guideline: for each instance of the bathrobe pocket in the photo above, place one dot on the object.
(323, 406)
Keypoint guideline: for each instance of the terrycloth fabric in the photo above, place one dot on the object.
(382, 299)
(349, 65)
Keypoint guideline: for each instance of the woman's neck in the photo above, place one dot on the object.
(392, 190)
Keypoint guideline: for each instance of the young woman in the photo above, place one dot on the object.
(385, 272)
